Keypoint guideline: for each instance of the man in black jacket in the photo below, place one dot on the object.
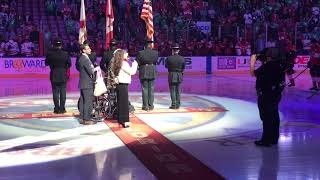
(175, 65)
(107, 56)
(269, 86)
(86, 85)
(147, 61)
(59, 62)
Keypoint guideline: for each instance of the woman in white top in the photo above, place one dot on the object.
(123, 72)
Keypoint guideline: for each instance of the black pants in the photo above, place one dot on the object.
(315, 71)
(268, 104)
(123, 101)
(59, 95)
(147, 93)
(175, 94)
(86, 104)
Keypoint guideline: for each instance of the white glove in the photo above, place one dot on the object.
(135, 63)
(253, 60)
(97, 68)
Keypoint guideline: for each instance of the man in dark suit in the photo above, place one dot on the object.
(86, 85)
(147, 60)
(107, 56)
(175, 65)
(92, 56)
(59, 62)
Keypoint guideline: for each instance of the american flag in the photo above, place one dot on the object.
(146, 15)
(83, 29)
(109, 23)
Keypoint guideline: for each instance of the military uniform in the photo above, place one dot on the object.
(107, 56)
(175, 65)
(105, 60)
(147, 60)
(59, 62)
(269, 85)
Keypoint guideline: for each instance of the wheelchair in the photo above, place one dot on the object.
(105, 106)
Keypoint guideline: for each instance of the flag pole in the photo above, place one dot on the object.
(109, 23)
(83, 28)
(147, 17)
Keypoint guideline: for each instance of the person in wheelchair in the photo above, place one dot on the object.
(106, 104)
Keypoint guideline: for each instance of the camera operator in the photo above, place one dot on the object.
(270, 79)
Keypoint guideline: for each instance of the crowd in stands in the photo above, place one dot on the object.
(19, 36)
(238, 27)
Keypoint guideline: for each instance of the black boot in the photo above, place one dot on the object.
(262, 143)
(315, 87)
(292, 83)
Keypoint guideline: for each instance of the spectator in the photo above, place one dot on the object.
(12, 48)
(47, 39)
(34, 35)
(2, 47)
(177, 19)
(248, 18)
(73, 47)
(11, 34)
(27, 48)
(50, 7)
(28, 17)
(243, 47)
